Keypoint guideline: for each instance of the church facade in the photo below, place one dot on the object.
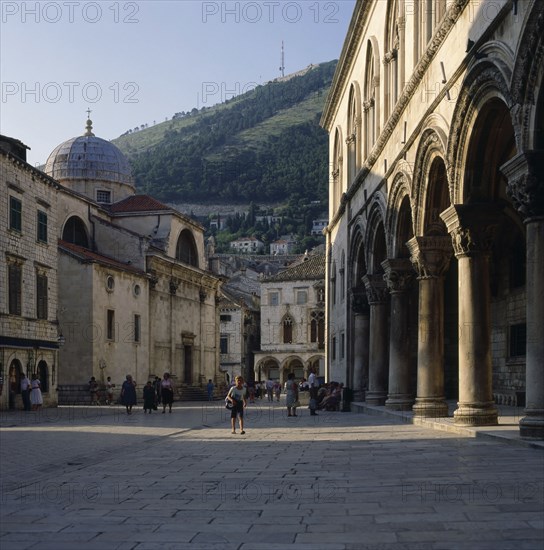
(435, 245)
(128, 289)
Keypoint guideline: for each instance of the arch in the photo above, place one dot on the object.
(371, 104)
(357, 256)
(528, 76)
(288, 329)
(337, 172)
(317, 328)
(377, 246)
(431, 146)
(398, 200)
(75, 232)
(492, 138)
(43, 375)
(354, 132)
(186, 250)
(484, 82)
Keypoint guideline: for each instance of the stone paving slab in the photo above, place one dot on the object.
(90, 478)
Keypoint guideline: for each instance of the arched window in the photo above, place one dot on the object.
(369, 105)
(391, 58)
(428, 15)
(343, 276)
(42, 373)
(337, 171)
(287, 325)
(354, 133)
(317, 328)
(75, 232)
(186, 250)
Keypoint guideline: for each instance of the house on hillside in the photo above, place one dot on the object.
(247, 245)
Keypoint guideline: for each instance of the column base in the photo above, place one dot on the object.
(476, 414)
(359, 395)
(532, 426)
(375, 398)
(428, 407)
(399, 402)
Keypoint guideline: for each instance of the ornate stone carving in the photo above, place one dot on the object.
(173, 286)
(399, 275)
(525, 173)
(359, 301)
(376, 289)
(430, 256)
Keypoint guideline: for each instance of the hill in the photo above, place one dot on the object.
(263, 146)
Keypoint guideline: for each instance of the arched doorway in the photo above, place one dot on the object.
(14, 382)
(43, 375)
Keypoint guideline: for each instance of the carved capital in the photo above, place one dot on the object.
(399, 275)
(352, 138)
(376, 289)
(525, 187)
(174, 284)
(472, 227)
(430, 256)
(359, 301)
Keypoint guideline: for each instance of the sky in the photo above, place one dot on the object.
(140, 62)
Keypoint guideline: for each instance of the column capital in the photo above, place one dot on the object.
(376, 289)
(430, 256)
(399, 274)
(472, 227)
(525, 187)
(359, 301)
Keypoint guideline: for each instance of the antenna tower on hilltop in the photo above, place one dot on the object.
(282, 67)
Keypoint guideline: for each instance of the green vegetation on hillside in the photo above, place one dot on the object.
(263, 146)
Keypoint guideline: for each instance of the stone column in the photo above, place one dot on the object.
(398, 277)
(376, 291)
(430, 257)
(525, 173)
(472, 228)
(361, 324)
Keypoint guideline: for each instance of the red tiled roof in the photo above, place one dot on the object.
(311, 268)
(90, 256)
(138, 203)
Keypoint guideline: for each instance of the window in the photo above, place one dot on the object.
(41, 296)
(302, 297)
(15, 288)
(110, 283)
(15, 214)
(518, 339)
(274, 298)
(42, 227)
(137, 328)
(225, 318)
(111, 325)
(224, 344)
(186, 250)
(333, 348)
(317, 328)
(342, 345)
(103, 196)
(287, 330)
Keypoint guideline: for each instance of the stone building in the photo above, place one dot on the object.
(134, 293)
(436, 232)
(293, 321)
(239, 325)
(28, 275)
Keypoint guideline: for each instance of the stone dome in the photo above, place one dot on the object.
(89, 157)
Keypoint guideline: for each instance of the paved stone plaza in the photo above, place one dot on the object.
(94, 478)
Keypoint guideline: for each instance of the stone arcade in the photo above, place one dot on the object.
(436, 239)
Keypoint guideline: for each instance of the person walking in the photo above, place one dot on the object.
(36, 398)
(210, 387)
(291, 398)
(149, 397)
(312, 382)
(237, 396)
(93, 390)
(109, 391)
(128, 393)
(25, 391)
(167, 392)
